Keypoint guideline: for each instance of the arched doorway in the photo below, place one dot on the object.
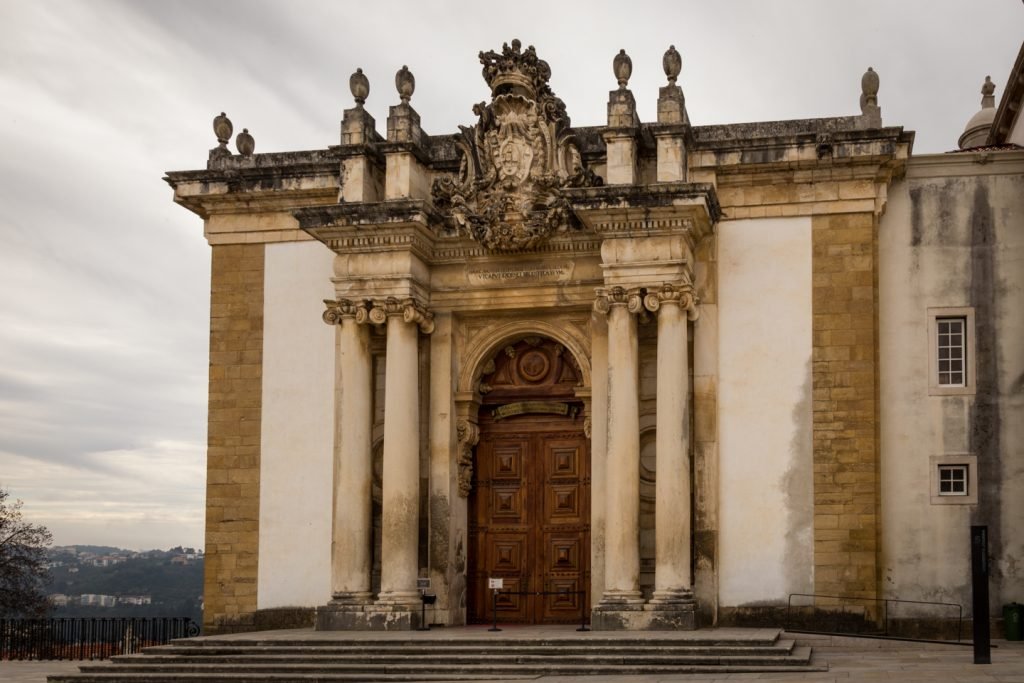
(529, 506)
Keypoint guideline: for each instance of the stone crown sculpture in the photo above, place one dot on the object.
(516, 160)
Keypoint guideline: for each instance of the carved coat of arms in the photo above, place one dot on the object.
(516, 160)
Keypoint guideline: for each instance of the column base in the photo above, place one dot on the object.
(348, 616)
(670, 599)
(352, 598)
(659, 617)
(399, 599)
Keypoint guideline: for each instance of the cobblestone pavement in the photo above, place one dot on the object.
(849, 659)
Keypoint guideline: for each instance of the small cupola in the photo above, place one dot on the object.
(977, 129)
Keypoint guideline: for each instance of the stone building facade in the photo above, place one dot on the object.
(656, 374)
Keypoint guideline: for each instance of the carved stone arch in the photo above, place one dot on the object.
(483, 348)
(490, 341)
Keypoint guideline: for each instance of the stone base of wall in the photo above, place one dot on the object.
(677, 618)
(264, 620)
(349, 617)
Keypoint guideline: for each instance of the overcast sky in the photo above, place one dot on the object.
(104, 282)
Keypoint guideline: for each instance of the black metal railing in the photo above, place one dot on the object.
(849, 615)
(88, 638)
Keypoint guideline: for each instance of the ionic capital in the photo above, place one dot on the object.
(674, 294)
(609, 297)
(409, 310)
(344, 308)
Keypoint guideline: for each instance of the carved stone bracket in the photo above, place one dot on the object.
(681, 294)
(409, 309)
(607, 297)
(468, 435)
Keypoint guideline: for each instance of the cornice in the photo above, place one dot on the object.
(645, 210)
(394, 225)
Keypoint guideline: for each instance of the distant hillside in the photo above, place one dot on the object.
(101, 581)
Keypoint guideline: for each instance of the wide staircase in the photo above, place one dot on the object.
(451, 655)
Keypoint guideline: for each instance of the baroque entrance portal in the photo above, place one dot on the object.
(529, 508)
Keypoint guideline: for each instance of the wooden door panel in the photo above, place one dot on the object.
(530, 518)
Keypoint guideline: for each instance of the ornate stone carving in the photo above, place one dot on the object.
(672, 63)
(681, 294)
(359, 85)
(409, 310)
(631, 298)
(344, 308)
(468, 435)
(516, 160)
(622, 65)
(587, 427)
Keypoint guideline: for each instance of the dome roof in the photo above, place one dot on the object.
(977, 129)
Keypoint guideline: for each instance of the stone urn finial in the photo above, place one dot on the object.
(672, 63)
(869, 87)
(222, 128)
(359, 84)
(405, 82)
(988, 90)
(622, 65)
(245, 143)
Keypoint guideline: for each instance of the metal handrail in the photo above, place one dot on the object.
(885, 602)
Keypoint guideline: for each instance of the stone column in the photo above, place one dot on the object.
(673, 579)
(401, 485)
(622, 522)
(353, 456)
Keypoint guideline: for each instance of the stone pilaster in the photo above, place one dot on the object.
(233, 437)
(353, 456)
(622, 547)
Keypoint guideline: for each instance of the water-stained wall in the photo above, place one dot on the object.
(953, 239)
(765, 492)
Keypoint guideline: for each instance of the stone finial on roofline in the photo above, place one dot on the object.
(245, 143)
(359, 84)
(871, 113)
(222, 128)
(405, 83)
(622, 65)
(672, 63)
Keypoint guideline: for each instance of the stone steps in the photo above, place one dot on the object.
(439, 658)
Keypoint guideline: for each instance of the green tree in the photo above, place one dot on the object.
(23, 572)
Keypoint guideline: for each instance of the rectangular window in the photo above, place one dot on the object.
(952, 480)
(952, 350)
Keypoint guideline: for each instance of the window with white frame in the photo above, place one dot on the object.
(953, 480)
(951, 351)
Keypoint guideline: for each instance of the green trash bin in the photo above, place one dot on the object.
(1012, 615)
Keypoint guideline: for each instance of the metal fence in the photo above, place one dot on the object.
(874, 617)
(88, 638)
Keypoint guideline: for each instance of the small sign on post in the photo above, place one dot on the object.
(495, 584)
(423, 584)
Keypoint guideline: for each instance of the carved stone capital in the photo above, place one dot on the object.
(408, 309)
(344, 308)
(607, 297)
(675, 294)
(469, 435)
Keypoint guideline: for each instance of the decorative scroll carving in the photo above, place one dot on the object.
(516, 160)
(587, 427)
(409, 309)
(681, 294)
(631, 298)
(468, 435)
(344, 308)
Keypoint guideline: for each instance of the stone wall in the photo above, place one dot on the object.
(233, 437)
(845, 337)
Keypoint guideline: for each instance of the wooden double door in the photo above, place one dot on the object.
(529, 520)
